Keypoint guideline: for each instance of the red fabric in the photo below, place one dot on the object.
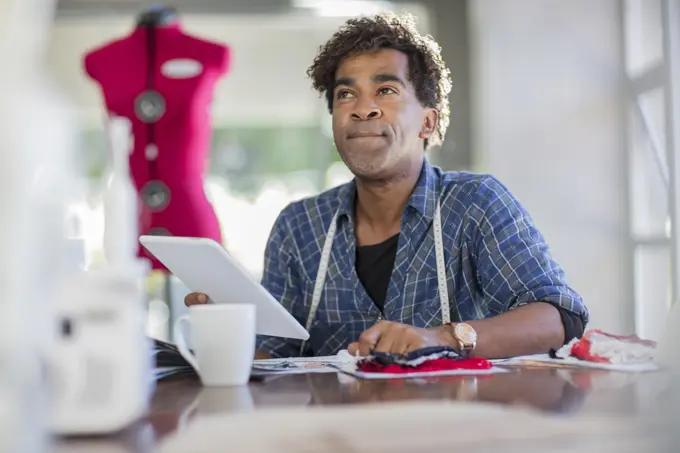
(182, 133)
(581, 349)
(442, 364)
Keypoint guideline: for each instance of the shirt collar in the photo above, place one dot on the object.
(423, 199)
(347, 195)
(424, 196)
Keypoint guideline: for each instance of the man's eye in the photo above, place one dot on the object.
(386, 90)
(344, 94)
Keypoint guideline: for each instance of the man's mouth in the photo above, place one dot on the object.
(365, 135)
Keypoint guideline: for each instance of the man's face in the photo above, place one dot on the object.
(378, 123)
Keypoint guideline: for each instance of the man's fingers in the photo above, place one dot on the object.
(401, 344)
(365, 349)
(388, 339)
(195, 299)
(370, 337)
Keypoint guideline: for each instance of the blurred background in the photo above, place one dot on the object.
(567, 102)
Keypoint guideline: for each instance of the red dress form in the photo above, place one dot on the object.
(162, 80)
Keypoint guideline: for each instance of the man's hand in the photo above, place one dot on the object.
(195, 299)
(387, 336)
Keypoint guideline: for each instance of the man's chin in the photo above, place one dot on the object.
(369, 163)
(369, 171)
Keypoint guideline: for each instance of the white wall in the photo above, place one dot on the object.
(546, 101)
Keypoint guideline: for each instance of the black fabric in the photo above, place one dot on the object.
(374, 265)
(431, 353)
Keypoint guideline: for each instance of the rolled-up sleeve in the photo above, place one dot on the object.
(514, 263)
(282, 282)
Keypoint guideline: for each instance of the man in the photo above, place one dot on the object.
(408, 248)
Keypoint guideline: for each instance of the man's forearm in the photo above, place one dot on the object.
(531, 329)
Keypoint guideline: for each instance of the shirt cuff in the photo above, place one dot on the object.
(572, 322)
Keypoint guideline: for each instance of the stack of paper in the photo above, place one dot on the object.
(298, 365)
(169, 362)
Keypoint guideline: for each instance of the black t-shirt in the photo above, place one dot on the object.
(374, 265)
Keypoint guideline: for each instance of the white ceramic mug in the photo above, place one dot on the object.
(223, 339)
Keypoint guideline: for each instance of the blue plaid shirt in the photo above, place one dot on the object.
(496, 260)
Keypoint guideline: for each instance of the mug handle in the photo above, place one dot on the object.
(181, 342)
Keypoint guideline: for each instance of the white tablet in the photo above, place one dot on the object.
(204, 266)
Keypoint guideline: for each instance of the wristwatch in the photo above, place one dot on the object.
(466, 337)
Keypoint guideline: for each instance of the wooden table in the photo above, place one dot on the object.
(573, 393)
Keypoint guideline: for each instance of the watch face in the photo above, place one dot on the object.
(465, 333)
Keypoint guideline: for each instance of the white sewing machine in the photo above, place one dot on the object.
(102, 364)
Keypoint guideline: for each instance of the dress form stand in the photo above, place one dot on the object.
(162, 79)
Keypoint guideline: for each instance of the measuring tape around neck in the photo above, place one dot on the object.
(326, 256)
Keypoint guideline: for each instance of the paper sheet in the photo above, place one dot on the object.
(168, 371)
(168, 362)
(547, 361)
(302, 365)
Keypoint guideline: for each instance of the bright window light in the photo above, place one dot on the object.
(343, 8)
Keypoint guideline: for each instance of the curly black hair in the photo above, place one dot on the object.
(427, 71)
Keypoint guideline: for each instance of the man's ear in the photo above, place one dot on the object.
(429, 126)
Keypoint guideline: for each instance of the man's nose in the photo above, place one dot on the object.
(366, 111)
